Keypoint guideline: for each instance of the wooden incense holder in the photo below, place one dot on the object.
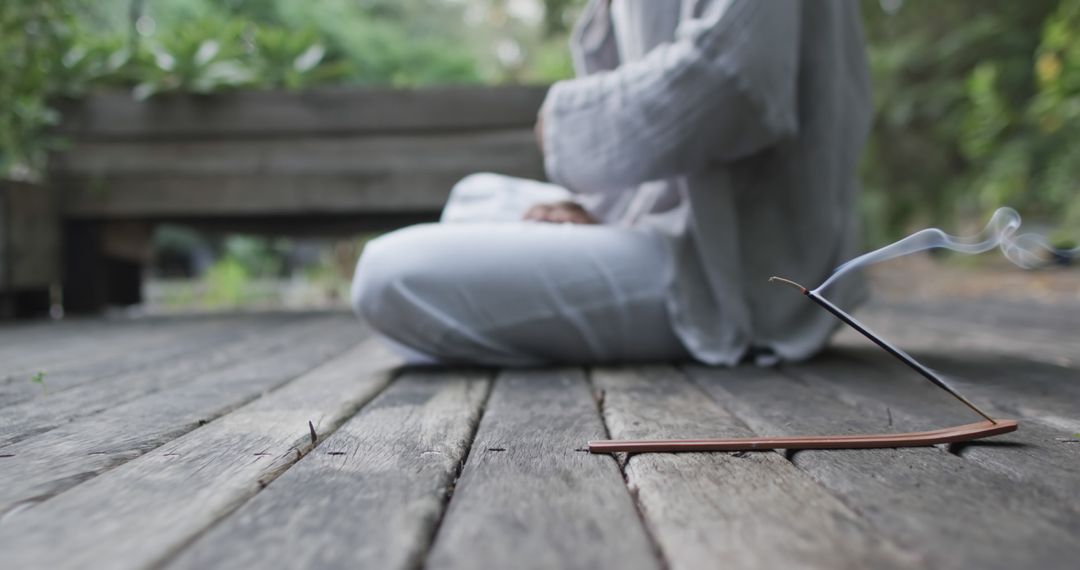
(956, 434)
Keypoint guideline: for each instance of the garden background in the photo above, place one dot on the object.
(978, 103)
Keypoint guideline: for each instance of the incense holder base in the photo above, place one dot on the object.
(967, 432)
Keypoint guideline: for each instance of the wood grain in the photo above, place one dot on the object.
(293, 176)
(943, 334)
(529, 497)
(1033, 455)
(1027, 388)
(301, 156)
(370, 496)
(750, 511)
(27, 348)
(953, 512)
(288, 113)
(206, 353)
(39, 467)
(136, 515)
(136, 347)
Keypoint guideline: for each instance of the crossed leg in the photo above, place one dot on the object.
(519, 294)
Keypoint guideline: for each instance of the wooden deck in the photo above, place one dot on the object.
(185, 443)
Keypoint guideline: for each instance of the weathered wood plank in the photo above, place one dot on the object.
(288, 113)
(370, 496)
(1013, 317)
(140, 513)
(14, 333)
(942, 334)
(330, 175)
(303, 156)
(141, 348)
(25, 348)
(953, 512)
(20, 336)
(749, 510)
(78, 343)
(164, 196)
(1034, 455)
(1042, 391)
(260, 337)
(530, 496)
(39, 467)
(1022, 387)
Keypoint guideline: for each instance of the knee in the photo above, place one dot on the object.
(372, 279)
(386, 265)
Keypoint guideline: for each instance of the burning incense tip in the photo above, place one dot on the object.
(789, 282)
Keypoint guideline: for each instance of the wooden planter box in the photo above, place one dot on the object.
(343, 160)
(29, 248)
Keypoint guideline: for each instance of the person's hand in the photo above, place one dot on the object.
(565, 212)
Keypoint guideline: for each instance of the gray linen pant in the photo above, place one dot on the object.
(514, 293)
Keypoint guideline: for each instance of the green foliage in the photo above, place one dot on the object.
(294, 60)
(218, 53)
(1027, 153)
(204, 57)
(978, 101)
(258, 257)
(977, 108)
(226, 283)
(39, 378)
(32, 33)
(229, 282)
(65, 48)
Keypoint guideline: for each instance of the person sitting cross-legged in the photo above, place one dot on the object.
(704, 146)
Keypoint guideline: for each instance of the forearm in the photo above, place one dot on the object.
(711, 95)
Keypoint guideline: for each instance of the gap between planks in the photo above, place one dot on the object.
(1032, 455)
(371, 498)
(530, 495)
(752, 510)
(140, 513)
(951, 511)
(31, 418)
(621, 460)
(42, 466)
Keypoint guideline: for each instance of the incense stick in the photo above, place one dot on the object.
(888, 347)
(948, 435)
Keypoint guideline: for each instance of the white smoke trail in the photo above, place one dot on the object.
(1025, 250)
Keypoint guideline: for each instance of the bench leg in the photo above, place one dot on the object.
(103, 264)
(29, 303)
(84, 268)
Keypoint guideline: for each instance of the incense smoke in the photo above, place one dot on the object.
(1028, 251)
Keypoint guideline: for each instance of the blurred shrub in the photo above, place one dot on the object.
(978, 101)
(32, 35)
(977, 107)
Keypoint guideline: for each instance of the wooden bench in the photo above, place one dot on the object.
(323, 161)
(186, 443)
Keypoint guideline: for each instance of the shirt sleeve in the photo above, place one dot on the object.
(724, 89)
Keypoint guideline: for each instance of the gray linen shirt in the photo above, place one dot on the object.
(735, 127)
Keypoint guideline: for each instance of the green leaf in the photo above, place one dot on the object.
(309, 59)
(39, 378)
(208, 50)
